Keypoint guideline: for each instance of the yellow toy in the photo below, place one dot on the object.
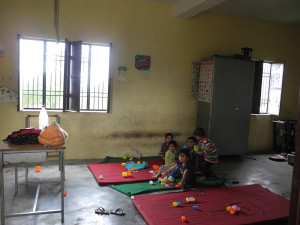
(123, 164)
(190, 199)
(176, 204)
(124, 174)
(131, 159)
(196, 149)
(125, 156)
(228, 208)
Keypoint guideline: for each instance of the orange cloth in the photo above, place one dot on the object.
(53, 135)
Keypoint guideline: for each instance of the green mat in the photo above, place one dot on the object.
(109, 159)
(139, 188)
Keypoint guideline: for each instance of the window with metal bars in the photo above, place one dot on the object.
(45, 77)
(272, 78)
(267, 89)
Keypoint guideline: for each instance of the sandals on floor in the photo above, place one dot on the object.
(101, 211)
(118, 212)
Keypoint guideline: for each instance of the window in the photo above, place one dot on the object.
(48, 72)
(272, 77)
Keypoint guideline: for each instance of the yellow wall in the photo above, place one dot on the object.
(149, 103)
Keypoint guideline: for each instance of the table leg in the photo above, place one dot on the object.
(62, 179)
(2, 189)
(26, 173)
(16, 180)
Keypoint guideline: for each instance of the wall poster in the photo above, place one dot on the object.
(205, 81)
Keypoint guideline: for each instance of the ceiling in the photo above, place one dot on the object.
(282, 11)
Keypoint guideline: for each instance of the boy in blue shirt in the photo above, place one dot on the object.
(183, 169)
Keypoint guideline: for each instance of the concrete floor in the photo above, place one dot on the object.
(84, 195)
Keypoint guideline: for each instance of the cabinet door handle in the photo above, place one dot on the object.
(236, 108)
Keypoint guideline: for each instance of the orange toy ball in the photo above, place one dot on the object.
(132, 169)
(183, 219)
(38, 169)
(232, 212)
(65, 193)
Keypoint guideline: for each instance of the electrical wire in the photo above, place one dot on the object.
(56, 19)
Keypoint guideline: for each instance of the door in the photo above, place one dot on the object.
(231, 105)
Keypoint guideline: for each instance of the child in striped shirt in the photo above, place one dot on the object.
(207, 152)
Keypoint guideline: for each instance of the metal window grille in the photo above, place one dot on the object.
(42, 75)
(271, 88)
(94, 77)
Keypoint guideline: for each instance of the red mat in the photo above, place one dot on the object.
(112, 173)
(258, 206)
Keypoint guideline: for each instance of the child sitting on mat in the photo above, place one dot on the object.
(182, 170)
(207, 152)
(190, 145)
(169, 158)
(165, 145)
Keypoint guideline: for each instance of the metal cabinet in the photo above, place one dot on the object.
(225, 99)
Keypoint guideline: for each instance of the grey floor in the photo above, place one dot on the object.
(84, 195)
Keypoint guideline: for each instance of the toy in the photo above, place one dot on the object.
(163, 184)
(100, 177)
(195, 207)
(150, 182)
(125, 156)
(123, 164)
(183, 219)
(131, 158)
(176, 204)
(233, 209)
(164, 180)
(177, 185)
(124, 174)
(65, 193)
(129, 173)
(232, 212)
(159, 180)
(196, 149)
(228, 208)
(236, 208)
(190, 199)
(139, 162)
(171, 179)
(38, 169)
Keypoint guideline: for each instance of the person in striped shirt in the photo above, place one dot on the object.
(207, 152)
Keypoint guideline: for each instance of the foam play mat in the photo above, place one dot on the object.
(109, 159)
(144, 187)
(257, 205)
(111, 173)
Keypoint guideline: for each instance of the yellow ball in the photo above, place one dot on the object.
(229, 208)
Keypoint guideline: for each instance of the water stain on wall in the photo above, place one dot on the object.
(138, 134)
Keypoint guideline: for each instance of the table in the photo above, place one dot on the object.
(37, 148)
(284, 134)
